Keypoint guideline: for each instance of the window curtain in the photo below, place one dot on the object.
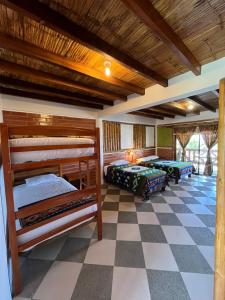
(210, 137)
(184, 135)
(139, 136)
(111, 131)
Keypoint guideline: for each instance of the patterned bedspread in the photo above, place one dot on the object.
(173, 168)
(141, 182)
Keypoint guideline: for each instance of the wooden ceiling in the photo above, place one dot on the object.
(185, 107)
(56, 49)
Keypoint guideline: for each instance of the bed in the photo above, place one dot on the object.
(27, 194)
(141, 181)
(40, 155)
(37, 212)
(174, 169)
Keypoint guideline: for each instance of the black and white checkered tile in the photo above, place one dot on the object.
(159, 249)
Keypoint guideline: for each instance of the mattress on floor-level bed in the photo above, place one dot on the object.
(25, 195)
(21, 157)
(139, 180)
(173, 168)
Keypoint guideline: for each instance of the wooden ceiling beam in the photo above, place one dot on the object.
(202, 103)
(18, 93)
(147, 115)
(40, 12)
(172, 109)
(152, 112)
(46, 90)
(161, 112)
(25, 48)
(45, 77)
(147, 13)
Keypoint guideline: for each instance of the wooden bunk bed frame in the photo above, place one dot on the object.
(8, 172)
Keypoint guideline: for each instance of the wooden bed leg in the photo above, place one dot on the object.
(16, 272)
(99, 222)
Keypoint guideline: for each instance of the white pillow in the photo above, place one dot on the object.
(119, 162)
(151, 157)
(41, 179)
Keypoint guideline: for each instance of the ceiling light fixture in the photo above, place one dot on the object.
(190, 106)
(107, 65)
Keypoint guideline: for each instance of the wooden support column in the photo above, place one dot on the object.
(219, 283)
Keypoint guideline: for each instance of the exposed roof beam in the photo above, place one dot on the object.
(47, 90)
(161, 112)
(172, 109)
(20, 46)
(152, 112)
(202, 103)
(146, 12)
(13, 92)
(59, 23)
(45, 77)
(147, 115)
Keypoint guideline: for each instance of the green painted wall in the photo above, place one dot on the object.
(165, 137)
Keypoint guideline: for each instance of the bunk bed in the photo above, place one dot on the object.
(174, 169)
(141, 181)
(46, 205)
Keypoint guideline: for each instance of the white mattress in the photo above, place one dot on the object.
(21, 157)
(25, 194)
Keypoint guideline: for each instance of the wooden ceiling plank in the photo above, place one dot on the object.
(41, 89)
(172, 109)
(147, 115)
(152, 112)
(161, 112)
(18, 93)
(45, 77)
(202, 103)
(59, 23)
(146, 12)
(25, 48)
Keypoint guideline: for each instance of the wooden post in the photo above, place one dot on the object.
(10, 209)
(219, 283)
(98, 185)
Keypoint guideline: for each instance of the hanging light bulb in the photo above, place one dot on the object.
(190, 106)
(107, 65)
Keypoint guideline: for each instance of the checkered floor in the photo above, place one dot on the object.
(159, 249)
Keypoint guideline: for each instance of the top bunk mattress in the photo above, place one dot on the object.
(21, 157)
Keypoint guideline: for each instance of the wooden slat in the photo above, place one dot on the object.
(162, 111)
(146, 12)
(17, 45)
(53, 202)
(54, 232)
(56, 99)
(202, 103)
(53, 218)
(26, 86)
(156, 113)
(219, 278)
(49, 78)
(50, 131)
(50, 147)
(172, 109)
(52, 162)
(147, 115)
(43, 13)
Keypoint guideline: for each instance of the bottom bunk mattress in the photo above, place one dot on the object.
(174, 169)
(141, 181)
(26, 195)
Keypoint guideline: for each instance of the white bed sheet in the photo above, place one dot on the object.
(21, 157)
(25, 194)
